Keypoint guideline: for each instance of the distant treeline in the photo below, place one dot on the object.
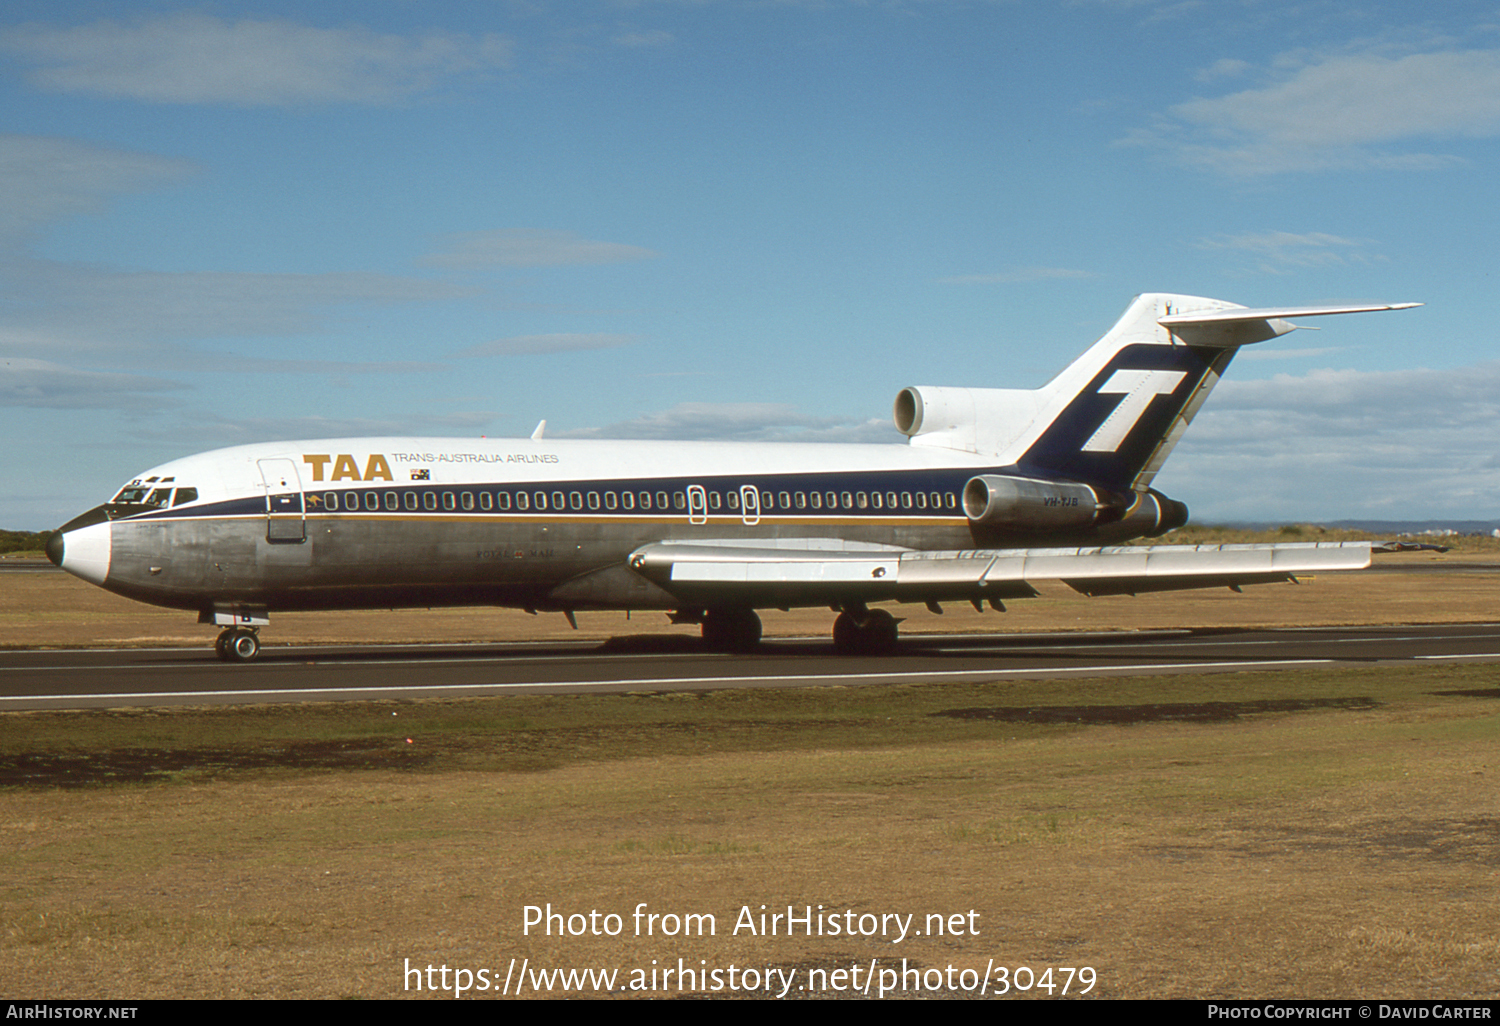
(23, 541)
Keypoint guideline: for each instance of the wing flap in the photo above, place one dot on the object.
(709, 572)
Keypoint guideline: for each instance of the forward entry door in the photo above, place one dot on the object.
(286, 523)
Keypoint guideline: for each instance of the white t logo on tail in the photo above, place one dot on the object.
(1139, 387)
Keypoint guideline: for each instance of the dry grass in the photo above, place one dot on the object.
(1349, 851)
(57, 611)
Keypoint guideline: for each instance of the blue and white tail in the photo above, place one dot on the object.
(1113, 416)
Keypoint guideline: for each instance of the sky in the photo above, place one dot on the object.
(232, 222)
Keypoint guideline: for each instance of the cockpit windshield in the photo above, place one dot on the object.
(137, 498)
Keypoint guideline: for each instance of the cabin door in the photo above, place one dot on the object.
(286, 522)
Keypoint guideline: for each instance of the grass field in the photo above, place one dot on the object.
(1313, 834)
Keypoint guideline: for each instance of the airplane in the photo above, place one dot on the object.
(995, 489)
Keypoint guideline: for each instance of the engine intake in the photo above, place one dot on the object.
(1024, 502)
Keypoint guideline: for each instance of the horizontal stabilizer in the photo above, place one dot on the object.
(1241, 314)
(1232, 327)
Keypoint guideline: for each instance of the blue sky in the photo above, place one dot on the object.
(239, 221)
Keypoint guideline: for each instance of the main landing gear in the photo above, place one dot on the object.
(731, 630)
(237, 644)
(857, 631)
(860, 631)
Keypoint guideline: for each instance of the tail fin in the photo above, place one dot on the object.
(1113, 416)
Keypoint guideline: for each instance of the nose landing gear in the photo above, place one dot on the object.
(237, 644)
(239, 641)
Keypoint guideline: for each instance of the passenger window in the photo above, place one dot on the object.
(502, 500)
(559, 501)
(611, 501)
(372, 501)
(679, 500)
(485, 501)
(429, 500)
(449, 502)
(848, 501)
(801, 500)
(392, 501)
(921, 500)
(331, 501)
(861, 500)
(733, 499)
(409, 500)
(661, 500)
(466, 500)
(539, 500)
(627, 500)
(714, 500)
(575, 499)
(645, 500)
(817, 500)
(521, 501)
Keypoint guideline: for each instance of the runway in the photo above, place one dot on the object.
(120, 678)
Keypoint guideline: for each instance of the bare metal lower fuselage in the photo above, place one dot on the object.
(349, 563)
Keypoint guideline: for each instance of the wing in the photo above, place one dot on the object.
(766, 573)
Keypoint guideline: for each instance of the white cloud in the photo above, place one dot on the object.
(43, 179)
(1330, 444)
(1016, 276)
(1257, 353)
(1278, 252)
(44, 384)
(531, 345)
(530, 247)
(647, 38)
(743, 422)
(1224, 68)
(195, 58)
(210, 432)
(1348, 111)
(107, 306)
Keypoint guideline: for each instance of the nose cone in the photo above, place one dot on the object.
(83, 551)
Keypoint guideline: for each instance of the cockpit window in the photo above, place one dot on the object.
(138, 497)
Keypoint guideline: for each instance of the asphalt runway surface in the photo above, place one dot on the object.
(117, 678)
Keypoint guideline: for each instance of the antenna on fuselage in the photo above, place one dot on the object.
(541, 425)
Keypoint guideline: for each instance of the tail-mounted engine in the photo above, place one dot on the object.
(1023, 504)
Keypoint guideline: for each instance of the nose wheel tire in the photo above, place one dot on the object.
(237, 645)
